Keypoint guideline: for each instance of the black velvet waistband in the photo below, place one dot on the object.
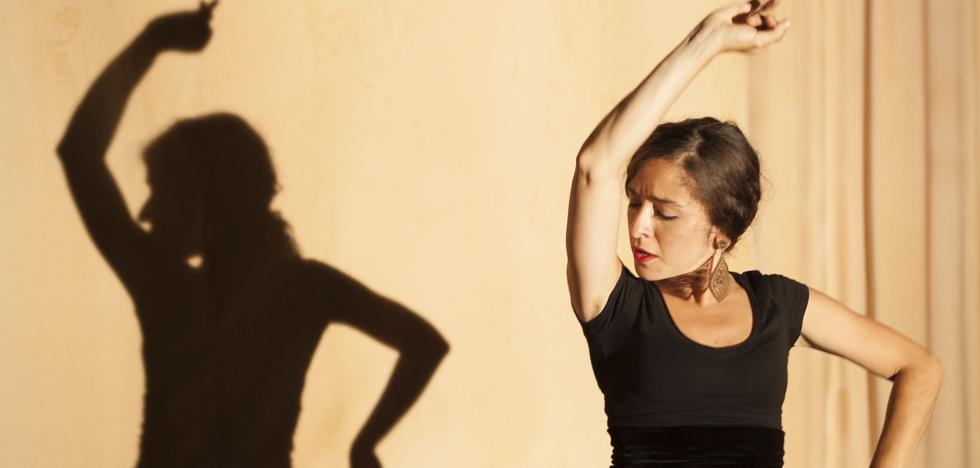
(702, 446)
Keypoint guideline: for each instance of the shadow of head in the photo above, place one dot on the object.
(211, 182)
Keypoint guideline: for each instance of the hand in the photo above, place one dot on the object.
(743, 26)
(187, 31)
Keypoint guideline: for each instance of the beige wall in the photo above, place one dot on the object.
(445, 131)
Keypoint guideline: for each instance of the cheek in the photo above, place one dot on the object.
(676, 235)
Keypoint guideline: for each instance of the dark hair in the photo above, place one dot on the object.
(721, 168)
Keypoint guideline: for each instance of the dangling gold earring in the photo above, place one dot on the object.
(719, 277)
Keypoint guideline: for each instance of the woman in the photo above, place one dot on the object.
(691, 358)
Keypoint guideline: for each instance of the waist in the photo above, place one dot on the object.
(705, 446)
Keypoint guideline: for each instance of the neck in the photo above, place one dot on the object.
(266, 244)
(696, 284)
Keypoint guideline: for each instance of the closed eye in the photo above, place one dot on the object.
(660, 215)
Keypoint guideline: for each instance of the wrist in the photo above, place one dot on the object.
(700, 44)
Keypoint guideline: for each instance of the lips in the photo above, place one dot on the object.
(642, 255)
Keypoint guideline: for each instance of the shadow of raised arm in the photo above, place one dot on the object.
(82, 149)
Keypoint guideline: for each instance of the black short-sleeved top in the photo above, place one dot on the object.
(653, 376)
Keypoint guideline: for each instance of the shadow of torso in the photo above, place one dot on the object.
(226, 357)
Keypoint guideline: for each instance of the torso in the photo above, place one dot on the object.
(663, 362)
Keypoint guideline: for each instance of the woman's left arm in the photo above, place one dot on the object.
(917, 375)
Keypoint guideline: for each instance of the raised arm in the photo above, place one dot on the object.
(596, 193)
(83, 147)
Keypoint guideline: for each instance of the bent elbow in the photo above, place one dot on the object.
(61, 150)
(67, 151)
(935, 371)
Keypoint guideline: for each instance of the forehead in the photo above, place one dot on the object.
(660, 180)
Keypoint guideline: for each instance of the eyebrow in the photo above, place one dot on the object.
(656, 199)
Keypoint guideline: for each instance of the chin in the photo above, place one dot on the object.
(648, 271)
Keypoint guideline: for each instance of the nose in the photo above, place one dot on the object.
(640, 224)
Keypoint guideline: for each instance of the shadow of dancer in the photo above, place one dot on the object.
(226, 343)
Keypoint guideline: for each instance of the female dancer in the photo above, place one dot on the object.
(691, 358)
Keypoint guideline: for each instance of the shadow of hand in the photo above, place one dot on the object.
(187, 31)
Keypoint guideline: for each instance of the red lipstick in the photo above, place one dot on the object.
(642, 256)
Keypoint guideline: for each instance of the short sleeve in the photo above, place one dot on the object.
(608, 328)
(793, 297)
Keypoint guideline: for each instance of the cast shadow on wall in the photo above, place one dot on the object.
(229, 310)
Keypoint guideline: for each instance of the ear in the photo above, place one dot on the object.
(721, 241)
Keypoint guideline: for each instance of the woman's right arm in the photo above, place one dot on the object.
(595, 201)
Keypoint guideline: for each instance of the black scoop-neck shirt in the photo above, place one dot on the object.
(652, 375)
